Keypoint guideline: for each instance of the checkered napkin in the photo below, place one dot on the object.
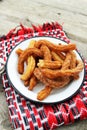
(26, 115)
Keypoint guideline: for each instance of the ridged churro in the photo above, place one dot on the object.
(49, 64)
(54, 47)
(29, 69)
(67, 61)
(56, 57)
(46, 57)
(57, 83)
(30, 64)
(46, 52)
(23, 57)
(44, 93)
(52, 74)
(33, 82)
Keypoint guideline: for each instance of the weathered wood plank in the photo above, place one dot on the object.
(72, 14)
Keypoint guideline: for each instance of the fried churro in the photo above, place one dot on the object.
(67, 61)
(56, 57)
(26, 83)
(52, 74)
(57, 83)
(23, 57)
(73, 64)
(49, 64)
(44, 93)
(33, 82)
(53, 47)
(46, 52)
(46, 57)
(19, 51)
(29, 69)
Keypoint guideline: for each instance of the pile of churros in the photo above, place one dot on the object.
(53, 65)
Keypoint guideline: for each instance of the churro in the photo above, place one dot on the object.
(46, 52)
(52, 74)
(49, 64)
(56, 57)
(33, 82)
(53, 47)
(44, 93)
(29, 69)
(23, 57)
(54, 83)
(19, 51)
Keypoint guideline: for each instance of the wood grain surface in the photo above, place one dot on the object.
(71, 14)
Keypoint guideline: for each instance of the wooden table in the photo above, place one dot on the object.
(71, 14)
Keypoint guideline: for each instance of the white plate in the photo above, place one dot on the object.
(57, 95)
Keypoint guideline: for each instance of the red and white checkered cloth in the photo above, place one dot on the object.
(26, 115)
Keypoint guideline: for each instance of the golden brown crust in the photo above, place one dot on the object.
(33, 82)
(26, 83)
(57, 83)
(52, 74)
(19, 51)
(49, 64)
(67, 61)
(54, 47)
(73, 60)
(46, 52)
(56, 57)
(44, 93)
(23, 57)
(29, 69)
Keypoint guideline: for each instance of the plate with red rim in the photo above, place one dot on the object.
(57, 95)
